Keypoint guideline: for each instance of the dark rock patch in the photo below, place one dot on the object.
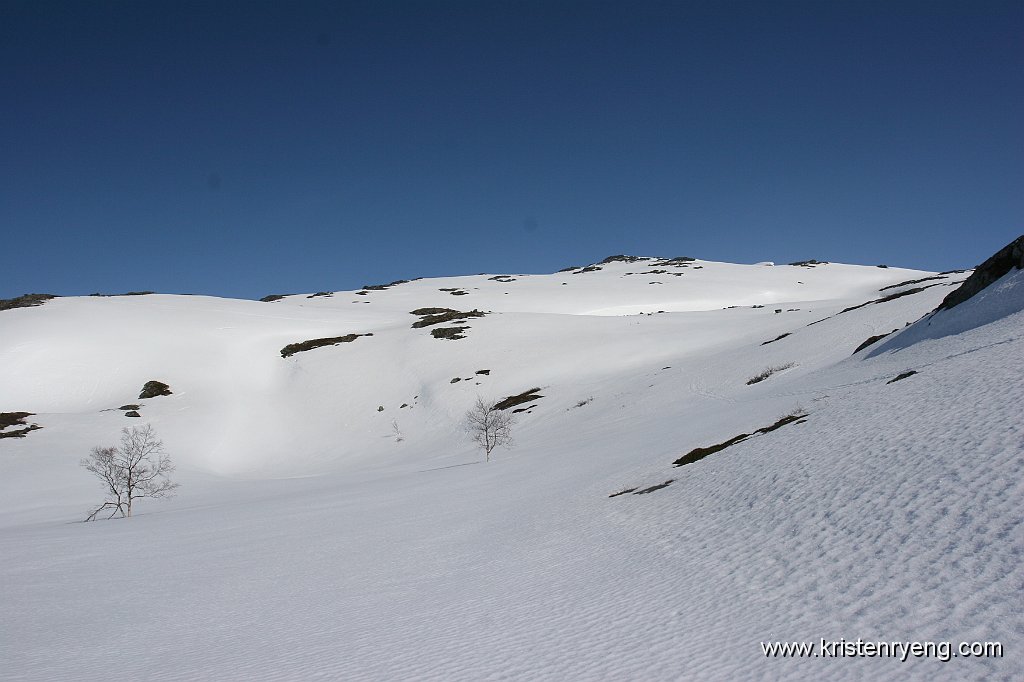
(913, 281)
(448, 332)
(483, 371)
(622, 258)
(152, 389)
(129, 407)
(870, 340)
(132, 413)
(698, 454)
(449, 315)
(809, 263)
(679, 261)
(589, 268)
(1007, 258)
(622, 492)
(293, 348)
(24, 301)
(382, 287)
(570, 268)
(326, 294)
(270, 298)
(455, 380)
(8, 419)
(777, 338)
(518, 399)
(460, 292)
(901, 376)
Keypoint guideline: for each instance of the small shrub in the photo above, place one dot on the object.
(767, 372)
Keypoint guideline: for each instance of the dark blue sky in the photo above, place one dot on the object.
(246, 148)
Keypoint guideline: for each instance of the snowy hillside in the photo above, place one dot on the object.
(333, 521)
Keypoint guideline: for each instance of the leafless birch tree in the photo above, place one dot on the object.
(488, 426)
(137, 468)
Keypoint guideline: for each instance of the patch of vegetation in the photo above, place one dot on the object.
(870, 340)
(452, 333)
(448, 315)
(777, 338)
(270, 298)
(767, 372)
(698, 454)
(518, 399)
(293, 348)
(24, 301)
(647, 491)
(901, 376)
(152, 389)
(8, 419)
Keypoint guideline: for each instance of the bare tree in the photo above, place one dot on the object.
(135, 469)
(488, 426)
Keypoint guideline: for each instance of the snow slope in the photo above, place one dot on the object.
(307, 541)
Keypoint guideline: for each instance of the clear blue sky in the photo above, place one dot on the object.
(247, 148)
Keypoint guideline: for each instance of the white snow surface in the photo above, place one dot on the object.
(308, 542)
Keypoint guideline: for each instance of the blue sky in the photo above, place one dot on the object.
(246, 148)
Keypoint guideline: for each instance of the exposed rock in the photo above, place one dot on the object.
(152, 389)
(1007, 258)
(622, 258)
(273, 297)
(518, 399)
(448, 332)
(901, 376)
(24, 301)
(132, 413)
(293, 348)
(483, 371)
(430, 319)
(809, 263)
(8, 419)
(698, 454)
(777, 338)
(381, 287)
(870, 340)
(129, 407)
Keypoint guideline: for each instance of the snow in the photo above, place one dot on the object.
(307, 543)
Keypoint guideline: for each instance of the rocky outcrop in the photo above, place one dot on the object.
(1007, 258)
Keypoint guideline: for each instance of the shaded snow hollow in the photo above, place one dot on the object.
(309, 540)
